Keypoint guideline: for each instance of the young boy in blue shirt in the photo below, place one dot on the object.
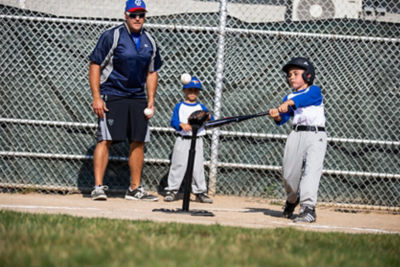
(179, 122)
(306, 145)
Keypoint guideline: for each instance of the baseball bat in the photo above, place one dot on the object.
(228, 120)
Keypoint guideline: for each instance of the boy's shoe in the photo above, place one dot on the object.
(289, 208)
(98, 193)
(203, 198)
(307, 214)
(139, 194)
(170, 196)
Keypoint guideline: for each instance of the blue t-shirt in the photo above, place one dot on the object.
(124, 67)
(181, 113)
(136, 39)
(308, 107)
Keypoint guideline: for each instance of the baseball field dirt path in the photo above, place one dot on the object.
(227, 210)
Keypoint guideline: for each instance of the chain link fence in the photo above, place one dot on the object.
(237, 49)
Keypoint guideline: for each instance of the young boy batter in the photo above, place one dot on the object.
(180, 154)
(306, 144)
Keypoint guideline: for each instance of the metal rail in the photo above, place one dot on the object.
(211, 29)
(221, 133)
(207, 163)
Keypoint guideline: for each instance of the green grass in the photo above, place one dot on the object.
(61, 240)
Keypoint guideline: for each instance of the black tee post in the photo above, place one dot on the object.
(189, 169)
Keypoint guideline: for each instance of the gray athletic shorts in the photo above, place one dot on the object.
(124, 120)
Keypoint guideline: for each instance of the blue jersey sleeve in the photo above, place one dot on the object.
(312, 96)
(102, 48)
(205, 109)
(285, 116)
(175, 118)
(157, 61)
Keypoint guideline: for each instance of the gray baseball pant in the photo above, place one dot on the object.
(179, 162)
(302, 165)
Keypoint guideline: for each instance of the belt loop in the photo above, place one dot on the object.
(316, 129)
(295, 128)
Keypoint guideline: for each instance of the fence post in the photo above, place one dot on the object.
(218, 95)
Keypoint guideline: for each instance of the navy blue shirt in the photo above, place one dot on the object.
(124, 68)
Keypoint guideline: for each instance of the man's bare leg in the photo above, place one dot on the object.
(100, 160)
(136, 159)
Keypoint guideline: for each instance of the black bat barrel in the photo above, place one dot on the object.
(228, 120)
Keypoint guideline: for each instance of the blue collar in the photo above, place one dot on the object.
(190, 104)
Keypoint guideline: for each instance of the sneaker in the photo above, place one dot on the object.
(98, 192)
(170, 196)
(307, 214)
(289, 208)
(139, 194)
(203, 198)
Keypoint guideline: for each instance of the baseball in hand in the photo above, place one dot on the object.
(186, 78)
(148, 112)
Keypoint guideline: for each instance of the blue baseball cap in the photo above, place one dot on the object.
(135, 5)
(194, 83)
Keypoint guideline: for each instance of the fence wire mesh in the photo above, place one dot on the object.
(48, 128)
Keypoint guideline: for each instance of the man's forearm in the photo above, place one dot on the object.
(94, 80)
(151, 85)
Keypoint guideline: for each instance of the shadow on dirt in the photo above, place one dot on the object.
(268, 212)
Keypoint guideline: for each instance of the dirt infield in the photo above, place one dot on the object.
(229, 211)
